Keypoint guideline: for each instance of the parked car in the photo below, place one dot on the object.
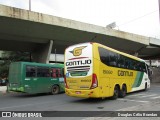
(3, 82)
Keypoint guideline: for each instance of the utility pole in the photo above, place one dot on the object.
(159, 10)
(55, 55)
(29, 5)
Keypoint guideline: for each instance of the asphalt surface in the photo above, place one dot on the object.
(138, 101)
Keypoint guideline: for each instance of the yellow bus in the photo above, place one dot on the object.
(93, 70)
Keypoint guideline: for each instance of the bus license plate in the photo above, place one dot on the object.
(78, 92)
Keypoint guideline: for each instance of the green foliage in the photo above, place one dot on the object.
(10, 56)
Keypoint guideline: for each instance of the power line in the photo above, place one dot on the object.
(138, 18)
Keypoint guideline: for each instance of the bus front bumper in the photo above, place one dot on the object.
(92, 93)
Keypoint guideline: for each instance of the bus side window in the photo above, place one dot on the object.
(104, 55)
(58, 72)
(30, 71)
(113, 59)
(43, 72)
(126, 63)
(120, 61)
(53, 72)
(62, 72)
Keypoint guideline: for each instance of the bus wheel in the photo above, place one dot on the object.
(122, 93)
(115, 94)
(145, 87)
(55, 89)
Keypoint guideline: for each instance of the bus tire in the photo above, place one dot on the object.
(145, 89)
(122, 93)
(55, 89)
(115, 94)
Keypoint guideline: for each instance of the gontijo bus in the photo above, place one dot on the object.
(30, 77)
(93, 70)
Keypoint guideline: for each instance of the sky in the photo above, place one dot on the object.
(133, 16)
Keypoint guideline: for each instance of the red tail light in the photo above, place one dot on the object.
(65, 82)
(94, 81)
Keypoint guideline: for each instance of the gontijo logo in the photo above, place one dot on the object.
(77, 51)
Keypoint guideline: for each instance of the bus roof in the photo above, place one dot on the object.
(111, 49)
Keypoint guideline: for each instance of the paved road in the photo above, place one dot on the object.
(62, 102)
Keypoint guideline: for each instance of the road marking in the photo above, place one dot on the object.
(133, 100)
(24, 105)
(156, 86)
(155, 97)
(148, 95)
(137, 94)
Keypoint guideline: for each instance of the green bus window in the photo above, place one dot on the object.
(53, 72)
(43, 72)
(56, 73)
(62, 72)
(59, 73)
(30, 71)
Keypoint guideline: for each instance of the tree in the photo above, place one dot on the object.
(11, 56)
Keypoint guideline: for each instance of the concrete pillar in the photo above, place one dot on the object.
(42, 53)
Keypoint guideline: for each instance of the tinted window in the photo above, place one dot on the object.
(143, 67)
(120, 61)
(117, 60)
(43, 72)
(30, 71)
(104, 55)
(56, 73)
(108, 57)
(113, 59)
(62, 72)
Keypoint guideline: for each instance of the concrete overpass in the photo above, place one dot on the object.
(41, 34)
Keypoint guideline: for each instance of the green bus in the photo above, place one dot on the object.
(30, 77)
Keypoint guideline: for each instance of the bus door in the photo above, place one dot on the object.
(30, 82)
(43, 79)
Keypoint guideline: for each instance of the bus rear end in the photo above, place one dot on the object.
(15, 77)
(80, 80)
